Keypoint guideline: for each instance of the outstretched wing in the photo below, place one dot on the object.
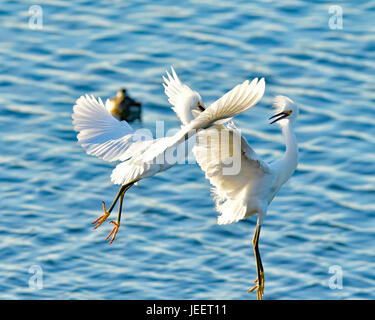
(242, 97)
(143, 164)
(231, 166)
(102, 135)
(218, 148)
(177, 93)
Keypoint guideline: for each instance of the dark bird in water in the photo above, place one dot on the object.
(124, 107)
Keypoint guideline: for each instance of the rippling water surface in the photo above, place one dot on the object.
(169, 245)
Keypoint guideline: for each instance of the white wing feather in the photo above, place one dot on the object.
(214, 150)
(239, 99)
(149, 162)
(177, 93)
(211, 157)
(102, 135)
(143, 164)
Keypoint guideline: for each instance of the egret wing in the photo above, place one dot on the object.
(159, 156)
(217, 149)
(231, 166)
(241, 98)
(150, 160)
(177, 93)
(102, 135)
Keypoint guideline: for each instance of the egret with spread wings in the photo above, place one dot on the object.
(102, 135)
(243, 184)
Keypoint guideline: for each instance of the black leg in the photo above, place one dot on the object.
(117, 224)
(120, 208)
(122, 191)
(106, 214)
(260, 271)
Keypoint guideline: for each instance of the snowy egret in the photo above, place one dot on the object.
(104, 136)
(251, 189)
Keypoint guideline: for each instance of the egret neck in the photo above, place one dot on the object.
(286, 166)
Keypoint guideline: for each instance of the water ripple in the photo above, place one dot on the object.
(169, 246)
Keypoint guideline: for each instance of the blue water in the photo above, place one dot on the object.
(169, 245)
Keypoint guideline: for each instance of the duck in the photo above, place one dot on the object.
(123, 107)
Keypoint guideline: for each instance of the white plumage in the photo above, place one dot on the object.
(251, 185)
(102, 135)
(231, 191)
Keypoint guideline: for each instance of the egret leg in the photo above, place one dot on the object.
(260, 271)
(117, 224)
(106, 214)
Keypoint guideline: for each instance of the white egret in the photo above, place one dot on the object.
(106, 137)
(251, 189)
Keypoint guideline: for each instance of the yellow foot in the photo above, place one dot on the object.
(114, 231)
(102, 218)
(259, 287)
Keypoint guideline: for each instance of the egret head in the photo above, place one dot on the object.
(286, 110)
(195, 102)
(189, 106)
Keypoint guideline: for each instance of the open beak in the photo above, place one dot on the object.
(280, 116)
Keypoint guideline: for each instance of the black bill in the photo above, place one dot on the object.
(280, 116)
